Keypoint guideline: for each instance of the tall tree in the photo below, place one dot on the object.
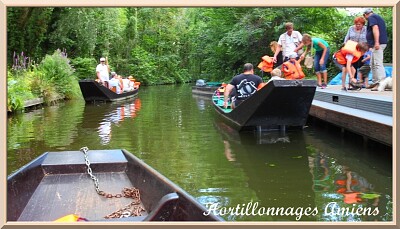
(26, 30)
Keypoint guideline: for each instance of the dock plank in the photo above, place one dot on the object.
(365, 112)
(365, 99)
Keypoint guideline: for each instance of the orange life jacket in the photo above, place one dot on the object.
(266, 64)
(261, 85)
(292, 71)
(349, 48)
(136, 85)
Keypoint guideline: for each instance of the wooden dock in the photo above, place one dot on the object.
(365, 112)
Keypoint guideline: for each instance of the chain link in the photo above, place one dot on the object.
(132, 209)
(90, 172)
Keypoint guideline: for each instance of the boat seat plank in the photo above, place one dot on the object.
(62, 194)
(74, 161)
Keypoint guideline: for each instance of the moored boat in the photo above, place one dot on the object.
(58, 184)
(277, 105)
(206, 88)
(93, 91)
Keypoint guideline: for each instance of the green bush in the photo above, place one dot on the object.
(58, 76)
(144, 67)
(85, 68)
(18, 91)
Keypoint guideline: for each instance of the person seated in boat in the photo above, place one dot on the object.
(242, 86)
(102, 71)
(276, 74)
(115, 84)
(125, 84)
(121, 83)
(292, 68)
(135, 84)
(128, 84)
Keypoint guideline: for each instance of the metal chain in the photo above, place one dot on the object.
(132, 209)
(89, 170)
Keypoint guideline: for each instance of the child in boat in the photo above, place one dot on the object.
(276, 74)
(292, 68)
(129, 84)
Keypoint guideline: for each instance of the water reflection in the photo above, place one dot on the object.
(52, 128)
(338, 186)
(285, 170)
(110, 114)
(276, 166)
(202, 101)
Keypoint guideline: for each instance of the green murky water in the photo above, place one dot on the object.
(318, 174)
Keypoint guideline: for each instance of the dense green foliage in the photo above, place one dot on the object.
(170, 45)
(53, 78)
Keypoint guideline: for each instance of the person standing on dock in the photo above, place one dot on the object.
(245, 85)
(279, 60)
(377, 39)
(102, 71)
(350, 53)
(321, 57)
(365, 68)
(357, 33)
(290, 41)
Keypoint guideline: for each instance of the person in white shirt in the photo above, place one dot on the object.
(125, 83)
(102, 72)
(114, 82)
(289, 42)
(276, 74)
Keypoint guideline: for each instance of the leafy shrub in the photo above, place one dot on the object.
(85, 68)
(58, 76)
(144, 66)
(18, 91)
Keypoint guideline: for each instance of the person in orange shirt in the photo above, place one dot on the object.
(350, 53)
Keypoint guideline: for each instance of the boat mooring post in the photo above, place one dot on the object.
(259, 131)
(282, 129)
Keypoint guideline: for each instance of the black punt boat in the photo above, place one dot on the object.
(57, 184)
(93, 91)
(278, 105)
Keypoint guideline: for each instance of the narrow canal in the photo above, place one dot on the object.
(319, 171)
